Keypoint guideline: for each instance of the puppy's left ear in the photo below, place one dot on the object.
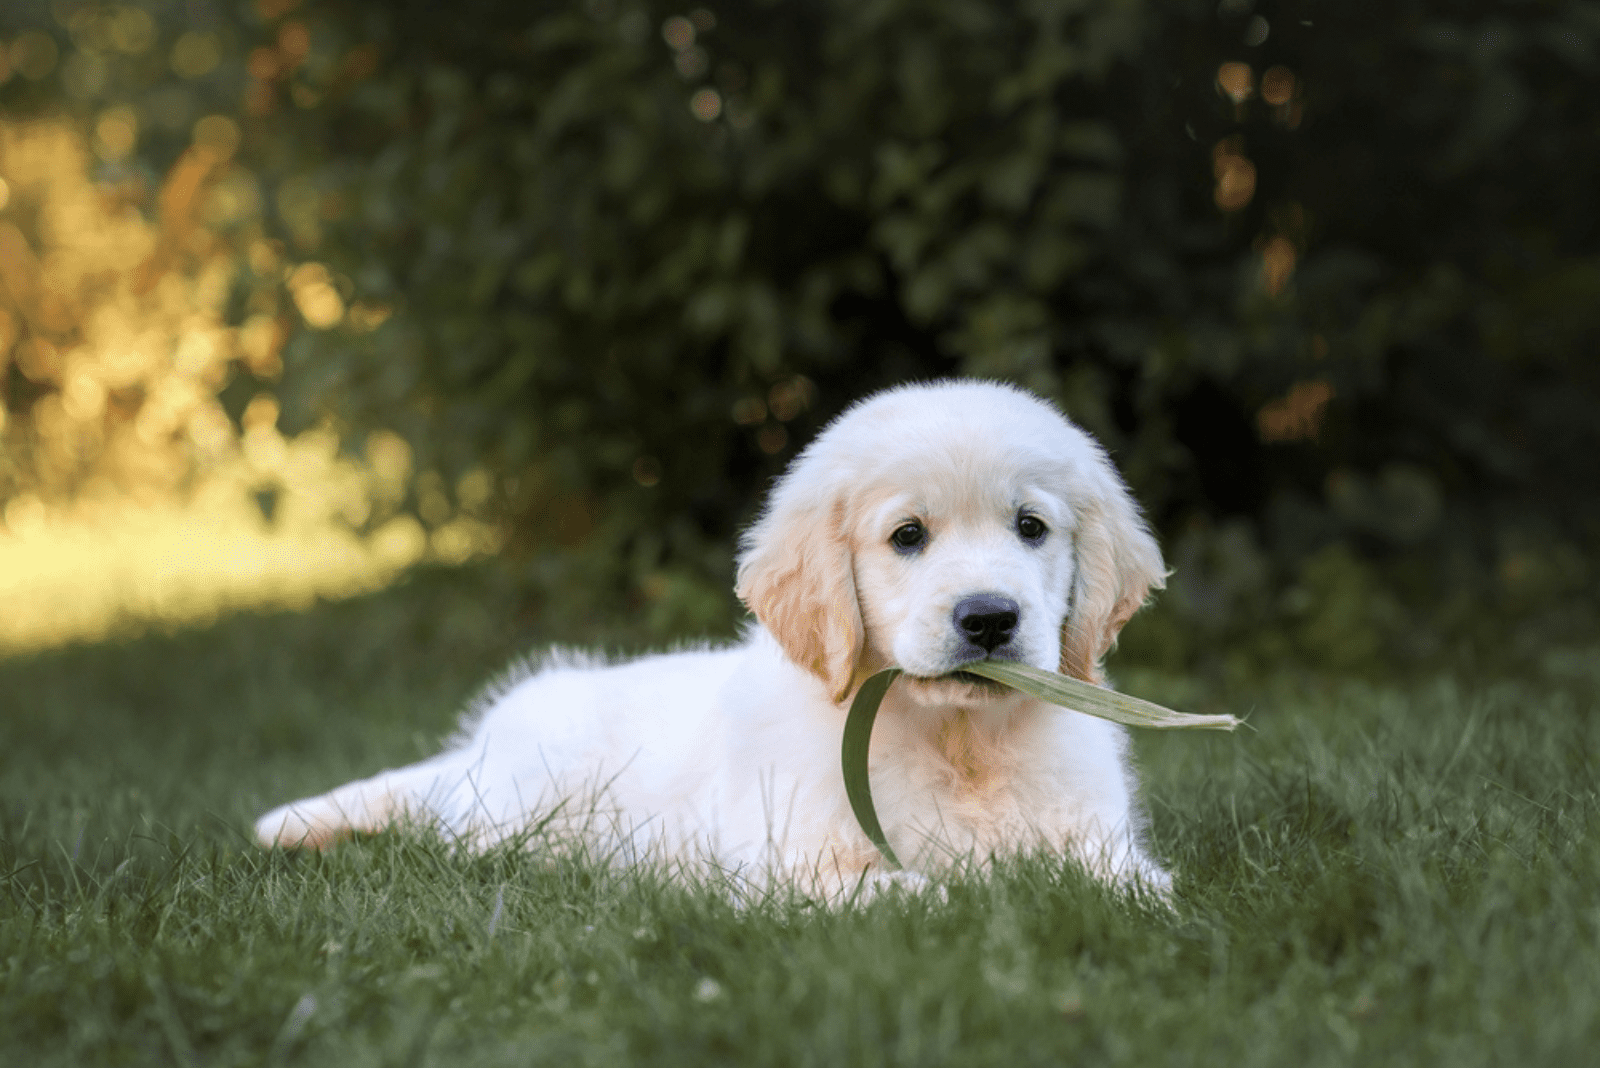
(1119, 564)
(796, 574)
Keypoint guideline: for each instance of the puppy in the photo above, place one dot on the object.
(927, 527)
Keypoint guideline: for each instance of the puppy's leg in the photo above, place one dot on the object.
(366, 805)
(1119, 858)
(850, 873)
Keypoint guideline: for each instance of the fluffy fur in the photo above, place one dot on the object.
(727, 759)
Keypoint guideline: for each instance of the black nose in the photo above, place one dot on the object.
(986, 620)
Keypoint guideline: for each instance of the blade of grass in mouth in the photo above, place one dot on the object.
(857, 739)
(1093, 700)
(1045, 685)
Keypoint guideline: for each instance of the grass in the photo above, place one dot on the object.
(1376, 874)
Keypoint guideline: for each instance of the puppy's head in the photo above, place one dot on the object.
(930, 526)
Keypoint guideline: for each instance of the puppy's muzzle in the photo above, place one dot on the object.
(986, 620)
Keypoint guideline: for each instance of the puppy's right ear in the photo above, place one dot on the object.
(796, 575)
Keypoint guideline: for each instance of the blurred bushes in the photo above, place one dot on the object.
(1323, 277)
(143, 310)
(124, 219)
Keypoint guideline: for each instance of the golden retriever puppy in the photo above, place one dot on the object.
(927, 527)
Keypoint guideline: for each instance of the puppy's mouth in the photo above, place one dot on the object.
(987, 687)
(976, 684)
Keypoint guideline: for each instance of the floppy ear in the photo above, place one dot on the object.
(1119, 563)
(796, 575)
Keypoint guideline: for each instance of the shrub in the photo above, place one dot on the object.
(1320, 277)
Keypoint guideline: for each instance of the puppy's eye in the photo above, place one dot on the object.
(1031, 529)
(909, 538)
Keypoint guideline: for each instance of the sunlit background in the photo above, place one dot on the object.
(129, 496)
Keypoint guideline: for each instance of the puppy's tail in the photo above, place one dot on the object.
(365, 806)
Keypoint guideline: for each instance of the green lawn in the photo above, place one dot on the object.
(1375, 874)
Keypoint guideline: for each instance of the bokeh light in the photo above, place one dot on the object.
(1234, 173)
(1277, 86)
(706, 104)
(1236, 81)
(678, 32)
(1278, 258)
(196, 54)
(34, 55)
(1298, 415)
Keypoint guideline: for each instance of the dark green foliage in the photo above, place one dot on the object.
(592, 278)
(1359, 403)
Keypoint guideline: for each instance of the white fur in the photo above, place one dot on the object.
(728, 758)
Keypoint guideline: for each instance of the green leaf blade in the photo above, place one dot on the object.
(857, 740)
(1079, 696)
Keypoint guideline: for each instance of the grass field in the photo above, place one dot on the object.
(1376, 874)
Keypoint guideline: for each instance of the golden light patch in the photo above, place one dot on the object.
(142, 501)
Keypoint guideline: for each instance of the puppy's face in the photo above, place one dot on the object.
(961, 566)
(932, 526)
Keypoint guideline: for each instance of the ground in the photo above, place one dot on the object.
(1377, 872)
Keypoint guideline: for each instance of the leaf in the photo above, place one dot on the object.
(857, 738)
(1092, 700)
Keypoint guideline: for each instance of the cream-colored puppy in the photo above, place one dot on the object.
(927, 526)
